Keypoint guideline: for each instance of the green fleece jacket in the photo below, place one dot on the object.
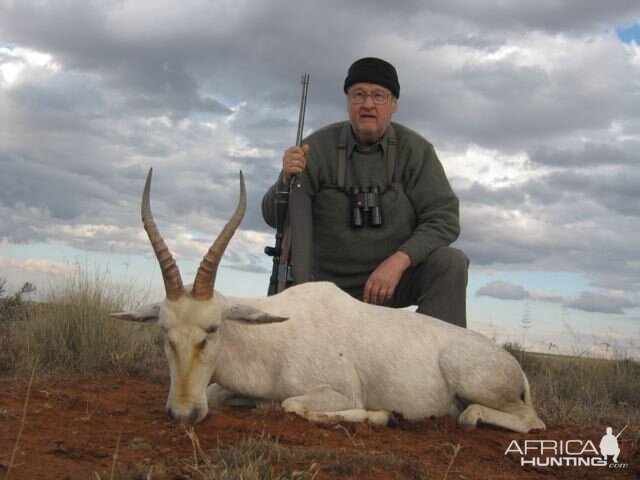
(419, 213)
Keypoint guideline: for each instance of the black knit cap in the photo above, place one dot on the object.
(373, 70)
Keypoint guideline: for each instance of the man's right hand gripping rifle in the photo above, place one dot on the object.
(294, 161)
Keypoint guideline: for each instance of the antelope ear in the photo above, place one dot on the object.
(243, 313)
(146, 313)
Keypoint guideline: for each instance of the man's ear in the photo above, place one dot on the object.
(243, 313)
(146, 313)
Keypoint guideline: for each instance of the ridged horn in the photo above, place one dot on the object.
(170, 273)
(206, 276)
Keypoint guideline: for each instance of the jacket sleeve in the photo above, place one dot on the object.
(436, 207)
(268, 205)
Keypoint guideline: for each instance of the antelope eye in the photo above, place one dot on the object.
(212, 329)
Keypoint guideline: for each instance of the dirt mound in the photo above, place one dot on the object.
(75, 425)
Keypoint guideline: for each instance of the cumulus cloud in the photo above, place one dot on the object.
(533, 110)
(587, 301)
(593, 302)
(503, 291)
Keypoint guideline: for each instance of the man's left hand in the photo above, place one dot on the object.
(385, 278)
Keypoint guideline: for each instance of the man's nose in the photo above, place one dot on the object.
(368, 102)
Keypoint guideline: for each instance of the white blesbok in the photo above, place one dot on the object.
(322, 353)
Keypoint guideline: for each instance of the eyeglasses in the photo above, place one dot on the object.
(378, 97)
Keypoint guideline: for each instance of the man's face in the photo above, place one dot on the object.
(368, 119)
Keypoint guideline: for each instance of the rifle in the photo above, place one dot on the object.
(620, 433)
(281, 272)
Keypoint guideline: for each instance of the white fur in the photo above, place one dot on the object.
(336, 357)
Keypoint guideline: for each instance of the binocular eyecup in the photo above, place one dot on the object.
(365, 201)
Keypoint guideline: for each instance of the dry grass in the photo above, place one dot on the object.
(583, 390)
(257, 457)
(261, 457)
(71, 331)
(22, 424)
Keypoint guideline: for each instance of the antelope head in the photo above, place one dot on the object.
(191, 318)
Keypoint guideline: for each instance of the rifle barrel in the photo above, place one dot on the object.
(303, 107)
(619, 433)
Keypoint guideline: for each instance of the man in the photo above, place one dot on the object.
(402, 258)
(609, 445)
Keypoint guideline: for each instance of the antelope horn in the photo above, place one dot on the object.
(206, 276)
(170, 273)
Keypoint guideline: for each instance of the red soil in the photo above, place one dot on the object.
(74, 425)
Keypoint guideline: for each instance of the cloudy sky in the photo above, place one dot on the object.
(533, 107)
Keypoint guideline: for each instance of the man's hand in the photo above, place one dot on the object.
(384, 279)
(294, 161)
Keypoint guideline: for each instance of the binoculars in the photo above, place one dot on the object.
(365, 201)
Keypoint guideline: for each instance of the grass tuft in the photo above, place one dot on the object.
(257, 457)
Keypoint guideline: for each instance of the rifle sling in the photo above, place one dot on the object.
(300, 218)
(392, 144)
(297, 239)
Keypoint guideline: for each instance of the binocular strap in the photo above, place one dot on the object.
(342, 155)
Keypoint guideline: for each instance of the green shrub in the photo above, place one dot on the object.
(13, 307)
(14, 311)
